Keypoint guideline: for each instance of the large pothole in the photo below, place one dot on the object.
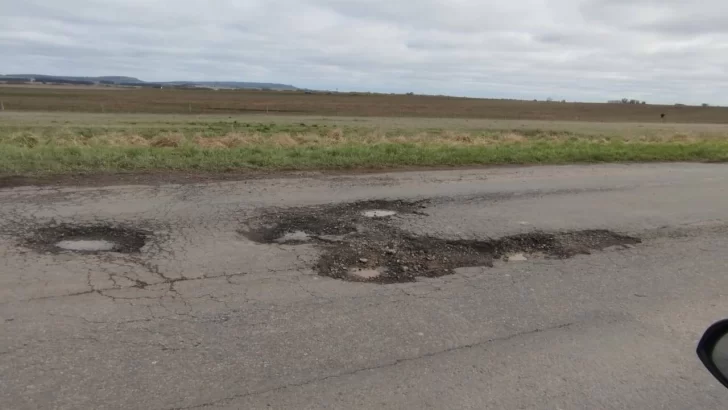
(87, 239)
(362, 243)
(327, 223)
(397, 257)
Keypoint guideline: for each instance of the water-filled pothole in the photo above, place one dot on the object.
(86, 245)
(358, 247)
(294, 237)
(88, 239)
(366, 274)
(379, 213)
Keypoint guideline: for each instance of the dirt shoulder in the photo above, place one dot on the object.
(146, 178)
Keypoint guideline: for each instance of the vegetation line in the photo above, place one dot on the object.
(54, 159)
(44, 148)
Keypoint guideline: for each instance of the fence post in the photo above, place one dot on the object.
(2, 106)
(190, 107)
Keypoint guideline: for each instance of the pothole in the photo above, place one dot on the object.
(359, 245)
(399, 257)
(327, 223)
(87, 239)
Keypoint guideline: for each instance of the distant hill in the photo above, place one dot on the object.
(118, 79)
(233, 84)
(131, 81)
(43, 77)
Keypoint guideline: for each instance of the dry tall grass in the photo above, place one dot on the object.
(333, 137)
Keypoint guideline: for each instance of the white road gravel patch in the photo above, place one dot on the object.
(360, 273)
(86, 245)
(297, 236)
(379, 213)
(517, 257)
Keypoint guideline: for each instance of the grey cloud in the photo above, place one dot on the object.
(665, 17)
(688, 25)
(661, 51)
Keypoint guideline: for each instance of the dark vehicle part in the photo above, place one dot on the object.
(713, 351)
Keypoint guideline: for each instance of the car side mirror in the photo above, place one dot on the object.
(713, 351)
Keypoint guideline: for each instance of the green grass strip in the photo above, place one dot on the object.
(49, 159)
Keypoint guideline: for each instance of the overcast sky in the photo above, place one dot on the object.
(588, 50)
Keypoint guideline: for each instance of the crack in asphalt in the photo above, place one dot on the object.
(377, 367)
(87, 292)
(142, 285)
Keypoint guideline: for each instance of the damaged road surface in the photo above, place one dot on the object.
(521, 288)
(360, 241)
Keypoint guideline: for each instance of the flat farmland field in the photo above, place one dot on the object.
(57, 132)
(182, 101)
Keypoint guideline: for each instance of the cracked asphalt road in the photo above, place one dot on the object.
(202, 317)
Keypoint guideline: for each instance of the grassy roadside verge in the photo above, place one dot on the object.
(54, 159)
(37, 147)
